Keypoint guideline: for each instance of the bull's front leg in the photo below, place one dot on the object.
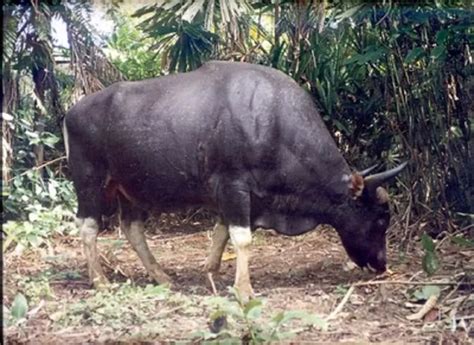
(233, 199)
(241, 238)
(89, 228)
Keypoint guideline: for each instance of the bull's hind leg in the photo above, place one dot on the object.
(89, 227)
(220, 236)
(89, 179)
(132, 225)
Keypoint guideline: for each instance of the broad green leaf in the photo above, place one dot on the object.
(156, 290)
(456, 131)
(340, 126)
(438, 52)
(50, 140)
(217, 314)
(414, 54)
(430, 263)
(32, 134)
(144, 10)
(442, 36)
(19, 307)
(52, 191)
(33, 216)
(278, 317)
(314, 320)
(461, 240)
(9, 240)
(426, 292)
(427, 243)
(349, 13)
(292, 315)
(253, 308)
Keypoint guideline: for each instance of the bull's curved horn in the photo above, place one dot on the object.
(376, 180)
(367, 171)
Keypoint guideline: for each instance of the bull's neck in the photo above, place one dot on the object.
(338, 215)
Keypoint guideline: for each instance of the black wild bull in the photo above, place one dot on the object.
(242, 139)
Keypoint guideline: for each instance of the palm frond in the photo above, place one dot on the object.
(92, 68)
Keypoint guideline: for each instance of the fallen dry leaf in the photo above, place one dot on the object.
(429, 304)
(228, 256)
(432, 315)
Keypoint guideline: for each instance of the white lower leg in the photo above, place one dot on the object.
(89, 229)
(241, 238)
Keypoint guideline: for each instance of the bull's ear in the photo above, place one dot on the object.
(356, 185)
(381, 196)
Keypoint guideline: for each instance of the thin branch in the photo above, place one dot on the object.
(406, 282)
(341, 304)
(380, 282)
(38, 167)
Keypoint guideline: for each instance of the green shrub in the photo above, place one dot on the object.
(41, 225)
(246, 321)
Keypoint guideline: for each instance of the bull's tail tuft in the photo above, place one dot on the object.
(66, 138)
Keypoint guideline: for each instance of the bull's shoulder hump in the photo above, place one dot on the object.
(98, 96)
(231, 66)
(94, 105)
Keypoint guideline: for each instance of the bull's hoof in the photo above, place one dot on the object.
(212, 266)
(245, 293)
(100, 283)
(161, 278)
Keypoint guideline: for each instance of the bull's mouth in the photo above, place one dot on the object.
(370, 268)
(373, 266)
(377, 269)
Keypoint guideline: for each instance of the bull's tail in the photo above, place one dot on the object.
(66, 138)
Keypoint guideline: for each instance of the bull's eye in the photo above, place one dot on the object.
(381, 223)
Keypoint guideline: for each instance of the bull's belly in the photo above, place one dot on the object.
(159, 194)
(286, 224)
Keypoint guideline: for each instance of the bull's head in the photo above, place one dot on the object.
(364, 220)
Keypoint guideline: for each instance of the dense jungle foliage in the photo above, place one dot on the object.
(393, 81)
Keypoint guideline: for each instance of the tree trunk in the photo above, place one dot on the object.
(320, 8)
(276, 20)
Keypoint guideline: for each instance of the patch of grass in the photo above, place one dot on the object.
(35, 288)
(125, 308)
(259, 238)
(113, 242)
(142, 313)
(341, 290)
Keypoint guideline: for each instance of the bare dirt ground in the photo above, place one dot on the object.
(307, 272)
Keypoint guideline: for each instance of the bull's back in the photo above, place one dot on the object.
(165, 140)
